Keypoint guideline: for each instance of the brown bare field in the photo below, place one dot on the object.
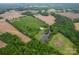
(11, 14)
(70, 15)
(76, 26)
(6, 27)
(2, 44)
(47, 19)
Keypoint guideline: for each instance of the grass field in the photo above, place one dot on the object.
(62, 44)
(28, 25)
(38, 36)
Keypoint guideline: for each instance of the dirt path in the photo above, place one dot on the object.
(6, 27)
(47, 19)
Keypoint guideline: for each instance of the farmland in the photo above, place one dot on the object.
(39, 30)
(28, 25)
(62, 44)
(70, 15)
(6, 27)
(47, 19)
(11, 14)
(31, 28)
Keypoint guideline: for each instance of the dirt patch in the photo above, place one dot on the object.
(70, 15)
(47, 19)
(2, 44)
(6, 27)
(77, 26)
(58, 43)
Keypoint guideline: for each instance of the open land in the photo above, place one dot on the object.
(62, 44)
(47, 19)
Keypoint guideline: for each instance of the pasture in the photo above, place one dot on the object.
(62, 44)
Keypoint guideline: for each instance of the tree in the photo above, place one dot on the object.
(27, 13)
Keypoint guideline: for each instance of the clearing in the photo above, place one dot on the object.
(62, 44)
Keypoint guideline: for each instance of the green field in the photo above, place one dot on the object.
(62, 44)
(28, 25)
(38, 36)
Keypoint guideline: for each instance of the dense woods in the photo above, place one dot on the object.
(1, 17)
(27, 13)
(75, 11)
(43, 12)
(76, 20)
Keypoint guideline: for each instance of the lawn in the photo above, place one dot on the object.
(62, 44)
(28, 25)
